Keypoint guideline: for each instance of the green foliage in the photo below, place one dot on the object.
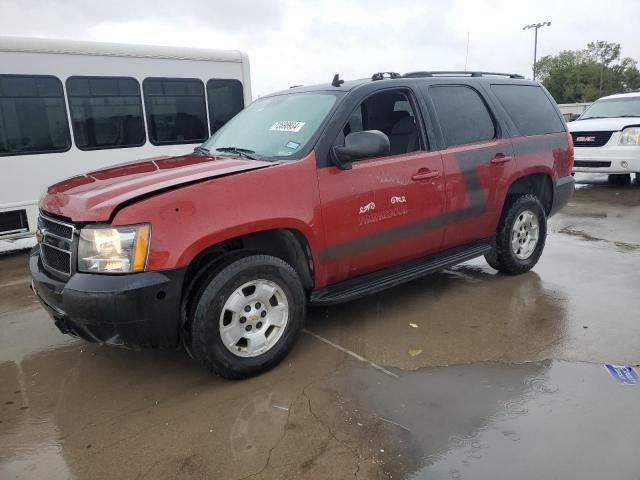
(586, 75)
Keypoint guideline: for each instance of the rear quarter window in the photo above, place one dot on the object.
(529, 108)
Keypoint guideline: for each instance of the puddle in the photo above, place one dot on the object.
(491, 420)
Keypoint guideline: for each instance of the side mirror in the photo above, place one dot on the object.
(573, 117)
(368, 143)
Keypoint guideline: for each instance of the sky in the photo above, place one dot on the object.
(304, 42)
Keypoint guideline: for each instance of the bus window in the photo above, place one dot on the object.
(106, 112)
(225, 99)
(176, 111)
(33, 116)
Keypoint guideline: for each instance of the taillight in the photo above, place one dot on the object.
(570, 154)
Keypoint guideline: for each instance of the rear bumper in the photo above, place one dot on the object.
(562, 193)
(140, 310)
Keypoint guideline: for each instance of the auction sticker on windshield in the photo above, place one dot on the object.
(287, 126)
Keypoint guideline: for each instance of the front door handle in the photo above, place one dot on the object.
(425, 174)
(501, 158)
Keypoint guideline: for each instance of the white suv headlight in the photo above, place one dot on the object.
(106, 249)
(630, 136)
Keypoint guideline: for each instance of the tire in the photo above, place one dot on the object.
(214, 311)
(505, 258)
(619, 178)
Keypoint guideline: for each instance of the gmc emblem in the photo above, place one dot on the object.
(585, 139)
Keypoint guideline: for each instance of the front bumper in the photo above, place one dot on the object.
(607, 159)
(140, 310)
(562, 193)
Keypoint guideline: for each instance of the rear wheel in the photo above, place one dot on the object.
(520, 237)
(248, 316)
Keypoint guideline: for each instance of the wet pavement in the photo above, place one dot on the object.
(463, 374)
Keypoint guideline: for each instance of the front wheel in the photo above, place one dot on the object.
(521, 236)
(247, 316)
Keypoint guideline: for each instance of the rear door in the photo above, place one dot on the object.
(478, 161)
(540, 134)
(374, 214)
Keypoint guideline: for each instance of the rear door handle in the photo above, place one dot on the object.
(501, 158)
(425, 174)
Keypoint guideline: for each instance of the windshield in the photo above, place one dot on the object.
(273, 127)
(612, 108)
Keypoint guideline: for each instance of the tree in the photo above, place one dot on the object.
(588, 74)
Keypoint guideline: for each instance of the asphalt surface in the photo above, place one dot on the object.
(464, 374)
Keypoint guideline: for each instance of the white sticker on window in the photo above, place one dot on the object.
(287, 126)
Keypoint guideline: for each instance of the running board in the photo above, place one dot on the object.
(390, 277)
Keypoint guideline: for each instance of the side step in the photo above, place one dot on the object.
(390, 277)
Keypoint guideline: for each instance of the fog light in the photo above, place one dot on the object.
(624, 164)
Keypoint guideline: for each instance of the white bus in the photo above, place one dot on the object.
(69, 107)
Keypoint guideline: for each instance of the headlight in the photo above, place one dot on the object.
(105, 249)
(630, 136)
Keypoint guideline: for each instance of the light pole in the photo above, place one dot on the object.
(536, 26)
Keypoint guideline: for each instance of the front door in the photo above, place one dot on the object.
(377, 213)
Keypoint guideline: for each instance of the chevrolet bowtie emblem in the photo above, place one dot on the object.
(253, 318)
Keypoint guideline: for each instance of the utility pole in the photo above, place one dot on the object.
(601, 72)
(536, 26)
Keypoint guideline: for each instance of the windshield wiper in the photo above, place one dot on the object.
(627, 116)
(242, 152)
(200, 150)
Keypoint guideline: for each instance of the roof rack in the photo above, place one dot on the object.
(460, 73)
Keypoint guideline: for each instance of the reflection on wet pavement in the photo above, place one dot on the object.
(489, 421)
(603, 213)
(498, 377)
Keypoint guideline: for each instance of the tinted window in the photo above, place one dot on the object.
(530, 109)
(225, 99)
(463, 115)
(176, 112)
(106, 112)
(33, 117)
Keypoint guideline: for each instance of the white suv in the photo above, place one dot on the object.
(607, 137)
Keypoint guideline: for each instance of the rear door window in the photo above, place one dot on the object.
(33, 117)
(106, 112)
(225, 99)
(463, 115)
(176, 112)
(529, 108)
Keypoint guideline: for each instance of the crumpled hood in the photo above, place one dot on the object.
(602, 124)
(95, 195)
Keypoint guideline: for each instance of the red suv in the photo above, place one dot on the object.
(315, 195)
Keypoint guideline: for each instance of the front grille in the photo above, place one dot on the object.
(54, 226)
(590, 139)
(56, 240)
(56, 259)
(582, 163)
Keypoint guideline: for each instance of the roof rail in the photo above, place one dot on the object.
(460, 73)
